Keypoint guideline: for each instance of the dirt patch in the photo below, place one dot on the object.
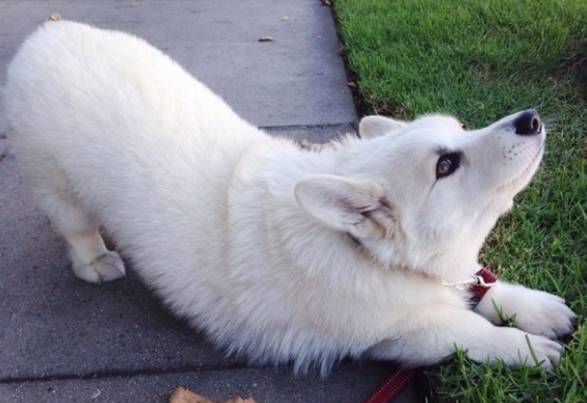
(576, 65)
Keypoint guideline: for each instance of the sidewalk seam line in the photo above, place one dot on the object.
(124, 373)
(288, 127)
(350, 124)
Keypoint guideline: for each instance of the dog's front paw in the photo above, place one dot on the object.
(539, 312)
(108, 267)
(538, 350)
(518, 349)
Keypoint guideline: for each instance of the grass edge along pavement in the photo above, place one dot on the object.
(482, 60)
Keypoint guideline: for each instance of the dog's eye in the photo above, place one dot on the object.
(447, 164)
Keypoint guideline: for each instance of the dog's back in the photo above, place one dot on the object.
(75, 86)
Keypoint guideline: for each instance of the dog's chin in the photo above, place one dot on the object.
(521, 180)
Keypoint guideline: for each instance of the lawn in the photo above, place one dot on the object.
(482, 60)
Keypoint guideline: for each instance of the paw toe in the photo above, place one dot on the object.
(548, 316)
(546, 351)
(109, 267)
(87, 275)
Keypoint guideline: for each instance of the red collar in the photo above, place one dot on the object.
(486, 280)
(478, 284)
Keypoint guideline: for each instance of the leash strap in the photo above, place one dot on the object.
(392, 386)
(482, 281)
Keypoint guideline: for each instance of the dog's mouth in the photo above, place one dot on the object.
(523, 177)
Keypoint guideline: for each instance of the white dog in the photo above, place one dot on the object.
(279, 253)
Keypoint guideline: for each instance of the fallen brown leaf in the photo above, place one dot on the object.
(183, 395)
(238, 399)
(55, 16)
(311, 146)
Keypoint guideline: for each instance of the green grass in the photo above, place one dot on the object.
(482, 60)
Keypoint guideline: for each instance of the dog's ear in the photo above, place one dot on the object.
(358, 207)
(374, 126)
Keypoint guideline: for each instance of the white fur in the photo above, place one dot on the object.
(249, 236)
(373, 126)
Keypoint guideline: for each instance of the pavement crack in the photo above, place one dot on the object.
(124, 373)
(346, 125)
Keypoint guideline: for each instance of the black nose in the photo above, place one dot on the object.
(528, 123)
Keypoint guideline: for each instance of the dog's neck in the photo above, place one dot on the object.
(298, 239)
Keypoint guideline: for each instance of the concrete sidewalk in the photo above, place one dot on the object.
(62, 340)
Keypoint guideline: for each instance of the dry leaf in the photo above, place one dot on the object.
(55, 16)
(265, 39)
(317, 147)
(311, 146)
(327, 3)
(352, 84)
(238, 399)
(183, 395)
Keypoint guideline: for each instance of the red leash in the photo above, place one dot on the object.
(392, 386)
(479, 285)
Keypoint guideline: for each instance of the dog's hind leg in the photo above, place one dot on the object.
(91, 260)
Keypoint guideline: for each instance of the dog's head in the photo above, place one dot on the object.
(425, 194)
